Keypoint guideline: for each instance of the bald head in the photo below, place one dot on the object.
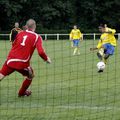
(31, 24)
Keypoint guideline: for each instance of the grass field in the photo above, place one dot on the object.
(68, 89)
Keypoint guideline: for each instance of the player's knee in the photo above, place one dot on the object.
(99, 55)
(1, 76)
(106, 56)
(31, 76)
(31, 73)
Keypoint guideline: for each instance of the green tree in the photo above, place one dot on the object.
(60, 14)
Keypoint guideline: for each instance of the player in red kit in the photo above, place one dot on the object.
(20, 55)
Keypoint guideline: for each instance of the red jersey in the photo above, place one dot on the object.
(23, 48)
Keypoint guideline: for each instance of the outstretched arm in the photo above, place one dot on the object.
(99, 46)
(41, 50)
(92, 49)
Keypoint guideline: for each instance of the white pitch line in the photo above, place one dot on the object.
(71, 106)
(89, 107)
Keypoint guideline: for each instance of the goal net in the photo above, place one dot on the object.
(68, 89)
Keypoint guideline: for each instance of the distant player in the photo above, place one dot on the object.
(14, 32)
(106, 44)
(20, 55)
(75, 37)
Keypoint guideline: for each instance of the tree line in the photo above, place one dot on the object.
(60, 14)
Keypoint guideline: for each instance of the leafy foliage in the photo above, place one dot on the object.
(60, 14)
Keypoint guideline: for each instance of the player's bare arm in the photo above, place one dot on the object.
(93, 49)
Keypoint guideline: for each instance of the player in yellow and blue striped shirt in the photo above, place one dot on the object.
(75, 37)
(107, 43)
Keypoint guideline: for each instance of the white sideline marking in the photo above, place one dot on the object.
(72, 107)
(89, 107)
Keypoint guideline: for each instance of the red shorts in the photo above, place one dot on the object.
(6, 70)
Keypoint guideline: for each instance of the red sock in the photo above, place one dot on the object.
(26, 83)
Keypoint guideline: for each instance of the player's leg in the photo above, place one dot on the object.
(78, 48)
(106, 56)
(108, 52)
(75, 44)
(74, 51)
(72, 43)
(28, 72)
(100, 54)
(6, 70)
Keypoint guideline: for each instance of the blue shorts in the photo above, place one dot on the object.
(76, 42)
(109, 49)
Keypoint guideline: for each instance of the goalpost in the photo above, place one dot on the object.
(68, 89)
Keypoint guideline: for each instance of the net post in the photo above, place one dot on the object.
(94, 36)
(118, 36)
(45, 36)
(83, 36)
(57, 36)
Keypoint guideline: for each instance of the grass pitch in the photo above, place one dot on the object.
(68, 89)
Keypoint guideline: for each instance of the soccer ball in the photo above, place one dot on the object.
(101, 65)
